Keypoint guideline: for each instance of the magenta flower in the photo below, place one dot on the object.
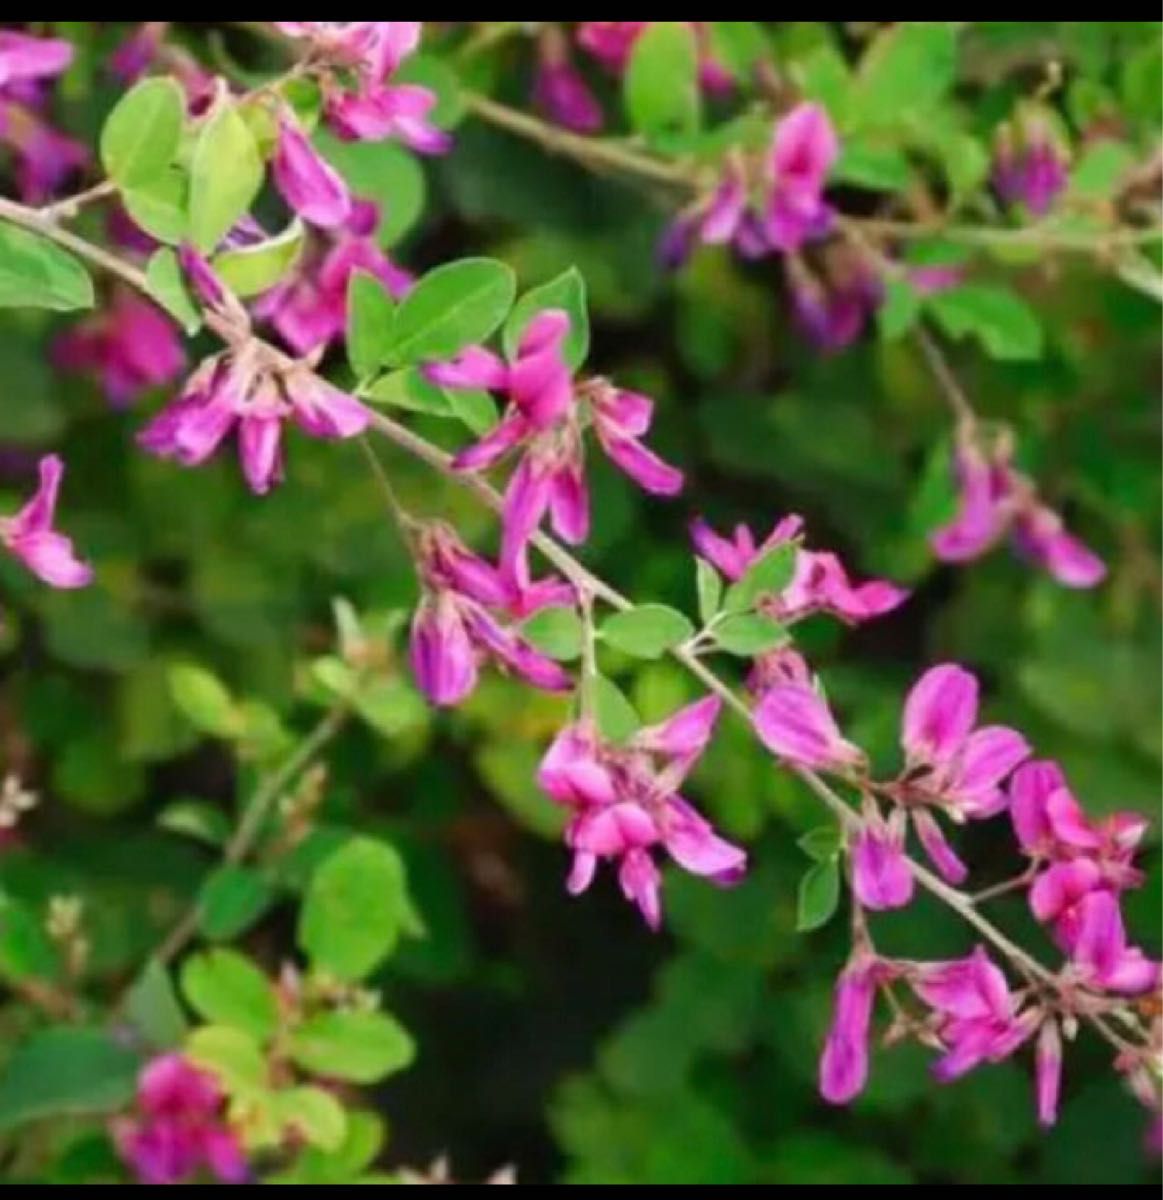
(1031, 166)
(795, 723)
(995, 501)
(308, 183)
(833, 308)
(30, 537)
(560, 90)
(844, 1063)
(820, 585)
(456, 627)
(180, 1129)
(138, 53)
(612, 44)
(975, 1016)
(881, 875)
(25, 59)
(625, 805)
(234, 392)
(131, 347)
(545, 419)
(309, 310)
(45, 159)
(1099, 951)
(803, 154)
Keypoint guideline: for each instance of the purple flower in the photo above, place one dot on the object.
(137, 54)
(844, 1063)
(975, 1016)
(180, 1128)
(803, 153)
(820, 584)
(834, 308)
(30, 537)
(996, 501)
(560, 89)
(457, 625)
(308, 183)
(625, 805)
(1030, 165)
(234, 393)
(881, 875)
(24, 58)
(794, 722)
(131, 347)
(44, 158)
(545, 420)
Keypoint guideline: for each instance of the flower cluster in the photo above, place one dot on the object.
(45, 158)
(545, 418)
(456, 628)
(997, 500)
(624, 803)
(356, 62)
(180, 1130)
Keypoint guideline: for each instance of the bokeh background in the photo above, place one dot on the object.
(555, 1034)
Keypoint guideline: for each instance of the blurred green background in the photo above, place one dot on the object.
(559, 1035)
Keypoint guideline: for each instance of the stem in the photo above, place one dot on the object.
(1010, 886)
(68, 210)
(586, 582)
(952, 389)
(255, 816)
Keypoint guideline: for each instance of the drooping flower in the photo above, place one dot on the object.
(29, 536)
(975, 1015)
(307, 181)
(462, 621)
(237, 392)
(795, 723)
(1099, 951)
(180, 1128)
(881, 876)
(844, 1062)
(545, 419)
(625, 805)
(820, 583)
(131, 347)
(996, 500)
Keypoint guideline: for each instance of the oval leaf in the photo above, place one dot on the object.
(34, 273)
(647, 632)
(568, 293)
(356, 1047)
(226, 989)
(226, 175)
(143, 133)
(252, 270)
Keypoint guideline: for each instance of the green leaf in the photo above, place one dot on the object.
(410, 391)
(26, 952)
(252, 270)
(475, 409)
(315, 1115)
(226, 175)
(196, 819)
(167, 285)
(819, 897)
(152, 1007)
(647, 632)
(355, 1047)
(900, 311)
(386, 173)
(234, 1057)
(750, 635)
(879, 168)
(143, 133)
(451, 308)
(557, 632)
(224, 988)
(772, 575)
(65, 1073)
(161, 206)
(371, 317)
(1003, 322)
(823, 844)
(36, 274)
(908, 69)
(1101, 170)
(568, 293)
(231, 902)
(356, 910)
(710, 589)
(362, 1142)
(392, 706)
(203, 700)
(661, 84)
(618, 721)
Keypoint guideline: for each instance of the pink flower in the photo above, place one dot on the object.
(975, 1016)
(1031, 167)
(803, 153)
(625, 805)
(45, 159)
(833, 307)
(232, 392)
(844, 1063)
(561, 91)
(24, 58)
(456, 627)
(996, 501)
(308, 183)
(1099, 950)
(881, 875)
(132, 347)
(612, 44)
(820, 584)
(795, 723)
(180, 1129)
(137, 54)
(544, 419)
(29, 535)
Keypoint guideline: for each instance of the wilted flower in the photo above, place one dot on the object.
(844, 1063)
